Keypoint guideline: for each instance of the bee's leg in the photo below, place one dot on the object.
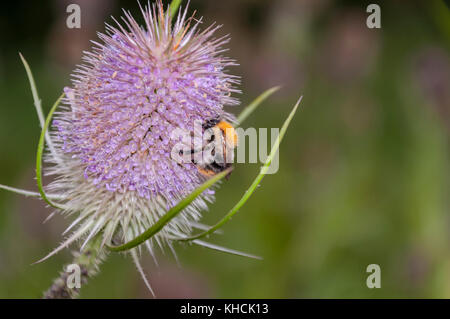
(206, 172)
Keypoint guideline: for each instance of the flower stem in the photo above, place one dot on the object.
(84, 265)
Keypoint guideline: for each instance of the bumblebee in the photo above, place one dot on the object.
(223, 140)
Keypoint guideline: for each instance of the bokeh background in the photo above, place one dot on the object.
(364, 168)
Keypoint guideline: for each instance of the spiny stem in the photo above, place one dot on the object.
(88, 262)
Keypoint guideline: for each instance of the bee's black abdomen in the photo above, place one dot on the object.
(211, 123)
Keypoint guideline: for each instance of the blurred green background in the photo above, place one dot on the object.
(364, 168)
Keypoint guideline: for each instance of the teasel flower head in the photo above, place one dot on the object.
(112, 137)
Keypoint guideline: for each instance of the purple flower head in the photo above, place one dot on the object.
(113, 135)
(135, 89)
